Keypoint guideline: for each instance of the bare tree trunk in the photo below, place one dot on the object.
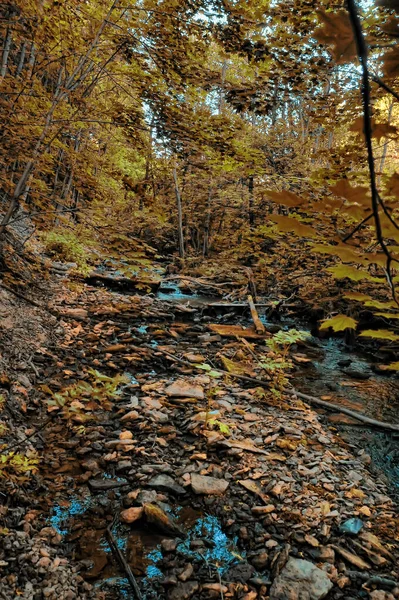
(21, 60)
(221, 94)
(385, 148)
(205, 247)
(251, 207)
(6, 53)
(179, 215)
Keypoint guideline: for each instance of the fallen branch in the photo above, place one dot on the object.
(201, 281)
(21, 296)
(124, 564)
(293, 392)
(372, 579)
(259, 327)
(345, 411)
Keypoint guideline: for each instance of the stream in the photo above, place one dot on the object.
(329, 370)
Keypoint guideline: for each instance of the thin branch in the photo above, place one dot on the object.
(368, 133)
(386, 87)
(359, 226)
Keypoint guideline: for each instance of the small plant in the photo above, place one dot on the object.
(65, 246)
(286, 339)
(80, 400)
(17, 467)
(277, 362)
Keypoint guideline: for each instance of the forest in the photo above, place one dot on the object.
(199, 299)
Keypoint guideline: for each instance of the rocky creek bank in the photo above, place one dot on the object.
(209, 487)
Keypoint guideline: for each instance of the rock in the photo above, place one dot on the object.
(260, 560)
(132, 415)
(123, 465)
(100, 485)
(263, 510)
(90, 465)
(159, 417)
(202, 484)
(186, 573)
(300, 579)
(183, 591)
(169, 545)
(75, 313)
(241, 572)
(165, 483)
(130, 515)
(215, 589)
(326, 554)
(194, 358)
(184, 389)
(345, 362)
(352, 558)
(362, 375)
(351, 526)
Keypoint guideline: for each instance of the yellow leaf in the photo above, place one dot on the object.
(391, 367)
(357, 296)
(233, 367)
(289, 224)
(337, 32)
(380, 334)
(286, 198)
(343, 271)
(345, 253)
(356, 194)
(339, 323)
(388, 315)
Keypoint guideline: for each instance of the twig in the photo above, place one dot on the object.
(293, 392)
(123, 562)
(359, 226)
(28, 437)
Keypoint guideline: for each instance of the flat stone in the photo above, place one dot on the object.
(202, 484)
(130, 515)
(165, 483)
(169, 545)
(132, 415)
(100, 485)
(194, 358)
(184, 389)
(183, 591)
(75, 313)
(300, 580)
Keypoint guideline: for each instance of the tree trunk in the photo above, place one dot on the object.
(21, 60)
(251, 213)
(179, 216)
(385, 148)
(205, 247)
(6, 53)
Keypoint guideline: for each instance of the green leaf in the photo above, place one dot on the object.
(339, 323)
(380, 334)
(388, 315)
(204, 367)
(215, 374)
